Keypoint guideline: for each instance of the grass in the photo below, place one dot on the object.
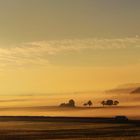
(44, 128)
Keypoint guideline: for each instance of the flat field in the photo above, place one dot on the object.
(71, 128)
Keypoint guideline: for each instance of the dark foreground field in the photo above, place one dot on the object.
(72, 128)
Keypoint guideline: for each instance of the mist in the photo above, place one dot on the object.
(44, 105)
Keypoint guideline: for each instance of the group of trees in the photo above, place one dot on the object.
(71, 103)
(110, 102)
(89, 103)
(107, 103)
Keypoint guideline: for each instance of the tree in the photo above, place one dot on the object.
(62, 105)
(116, 102)
(71, 103)
(89, 103)
(103, 103)
(85, 104)
(109, 102)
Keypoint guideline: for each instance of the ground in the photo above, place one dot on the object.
(71, 128)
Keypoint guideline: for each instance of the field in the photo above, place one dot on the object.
(132, 112)
(71, 128)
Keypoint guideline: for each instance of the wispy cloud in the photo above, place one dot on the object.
(37, 53)
(13, 100)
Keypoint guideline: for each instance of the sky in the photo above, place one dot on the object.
(59, 46)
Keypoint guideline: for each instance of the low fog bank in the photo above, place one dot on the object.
(44, 105)
(79, 97)
(131, 112)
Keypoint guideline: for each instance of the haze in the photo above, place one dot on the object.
(54, 48)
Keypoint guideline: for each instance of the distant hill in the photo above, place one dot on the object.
(136, 91)
(130, 85)
(126, 89)
(123, 90)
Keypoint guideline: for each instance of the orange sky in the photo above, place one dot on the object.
(59, 47)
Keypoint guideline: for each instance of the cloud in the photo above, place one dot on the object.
(13, 100)
(37, 53)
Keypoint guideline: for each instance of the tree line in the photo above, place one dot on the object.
(71, 103)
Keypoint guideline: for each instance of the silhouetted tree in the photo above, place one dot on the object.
(89, 103)
(103, 103)
(85, 104)
(71, 103)
(116, 102)
(62, 105)
(109, 102)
